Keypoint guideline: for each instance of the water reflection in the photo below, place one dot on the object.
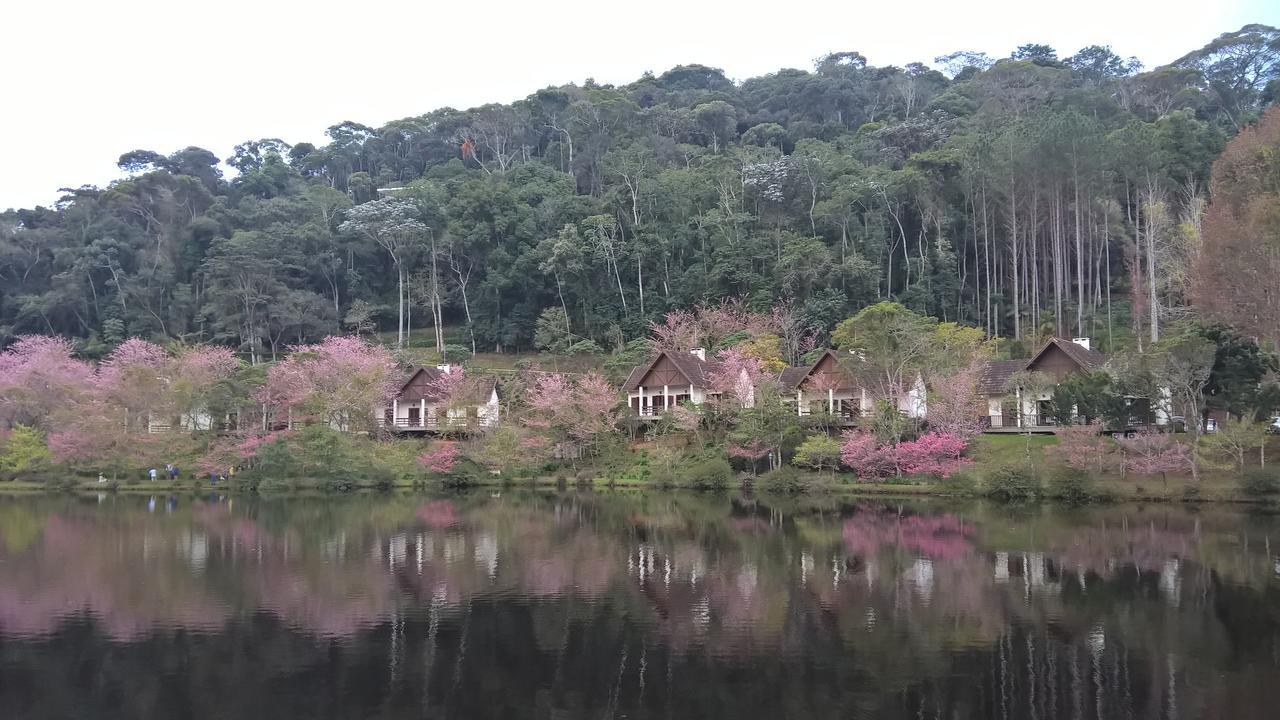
(657, 605)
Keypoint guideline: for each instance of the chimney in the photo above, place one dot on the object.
(1082, 342)
(700, 353)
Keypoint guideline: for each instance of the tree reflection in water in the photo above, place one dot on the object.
(648, 605)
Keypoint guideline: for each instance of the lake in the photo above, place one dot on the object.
(523, 604)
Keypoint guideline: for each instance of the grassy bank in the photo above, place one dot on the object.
(636, 468)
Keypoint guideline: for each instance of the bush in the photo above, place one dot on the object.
(787, 481)
(1260, 481)
(25, 452)
(1012, 483)
(1072, 485)
(705, 473)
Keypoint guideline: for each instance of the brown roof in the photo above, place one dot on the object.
(421, 385)
(695, 369)
(792, 377)
(996, 374)
(1086, 359)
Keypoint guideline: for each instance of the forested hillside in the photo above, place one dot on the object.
(1025, 195)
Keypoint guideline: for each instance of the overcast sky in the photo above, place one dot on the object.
(86, 80)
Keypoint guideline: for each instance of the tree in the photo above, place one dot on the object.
(1233, 439)
(1183, 365)
(1150, 452)
(891, 344)
(40, 380)
(955, 406)
(342, 382)
(572, 414)
(1233, 277)
(24, 451)
(818, 452)
(395, 226)
(1083, 447)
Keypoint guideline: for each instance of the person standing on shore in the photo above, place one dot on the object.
(152, 473)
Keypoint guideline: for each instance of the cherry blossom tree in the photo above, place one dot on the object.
(709, 325)
(1151, 452)
(736, 376)
(571, 413)
(955, 406)
(342, 381)
(1084, 447)
(934, 453)
(861, 452)
(440, 459)
(40, 378)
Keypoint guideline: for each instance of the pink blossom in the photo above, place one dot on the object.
(736, 375)
(1152, 452)
(955, 407)
(934, 453)
(39, 378)
(441, 459)
(579, 410)
(340, 380)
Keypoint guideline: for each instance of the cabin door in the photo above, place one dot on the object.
(415, 417)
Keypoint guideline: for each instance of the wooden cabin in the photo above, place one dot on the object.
(670, 379)
(419, 408)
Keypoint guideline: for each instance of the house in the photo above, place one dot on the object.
(1018, 408)
(671, 378)
(824, 386)
(419, 406)
(828, 385)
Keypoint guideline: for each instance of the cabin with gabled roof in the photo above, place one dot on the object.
(670, 379)
(1017, 409)
(419, 408)
(824, 386)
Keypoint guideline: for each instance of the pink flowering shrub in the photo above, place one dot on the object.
(440, 459)
(934, 453)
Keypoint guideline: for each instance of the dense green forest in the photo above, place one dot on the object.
(1024, 195)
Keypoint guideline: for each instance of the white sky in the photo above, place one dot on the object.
(86, 80)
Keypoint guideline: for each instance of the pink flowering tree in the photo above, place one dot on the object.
(1151, 452)
(955, 406)
(862, 453)
(134, 380)
(197, 381)
(736, 376)
(708, 325)
(342, 381)
(569, 412)
(441, 458)
(934, 453)
(1084, 447)
(40, 379)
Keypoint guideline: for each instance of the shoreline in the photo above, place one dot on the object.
(821, 486)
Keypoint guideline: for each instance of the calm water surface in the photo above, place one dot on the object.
(568, 606)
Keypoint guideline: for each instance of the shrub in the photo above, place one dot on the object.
(1072, 485)
(786, 481)
(1260, 481)
(1012, 483)
(25, 452)
(705, 473)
